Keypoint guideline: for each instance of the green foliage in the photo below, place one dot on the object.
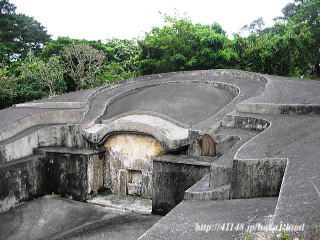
(113, 73)
(19, 34)
(56, 47)
(84, 63)
(270, 53)
(49, 74)
(255, 26)
(304, 17)
(182, 45)
(8, 89)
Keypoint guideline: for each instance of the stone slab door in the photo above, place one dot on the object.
(130, 165)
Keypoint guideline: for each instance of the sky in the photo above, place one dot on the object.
(106, 19)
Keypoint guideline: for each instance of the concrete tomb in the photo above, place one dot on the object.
(220, 154)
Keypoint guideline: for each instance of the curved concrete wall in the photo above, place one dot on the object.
(271, 108)
(254, 177)
(171, 136)
(48, 117)
(232, 89)
(60, 135)
(201, 73)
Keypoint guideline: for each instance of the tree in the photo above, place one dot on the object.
(255, 26)
(181, 45)
(84, 63)
(8, 89)
(56, 47)
(50, 74)
(19, 34)
(275, 50)
(304, 16)
(123, 52)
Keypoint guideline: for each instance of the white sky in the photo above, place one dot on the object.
(102, 19)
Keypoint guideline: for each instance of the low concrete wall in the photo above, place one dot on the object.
(48, 117)
(231, 73)
(257, 178)
(23, 181)
(172, 176)
(272, 108)
(68, 172)
(245, 122)
(76, 173)
(220, 174)
(57, 105)
(60, 135)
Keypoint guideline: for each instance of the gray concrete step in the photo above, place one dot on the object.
(202, 191)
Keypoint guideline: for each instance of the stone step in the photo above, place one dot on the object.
(123, 202)
(202, 191)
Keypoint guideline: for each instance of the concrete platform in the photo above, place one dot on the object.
(56, 218)
(210, 219)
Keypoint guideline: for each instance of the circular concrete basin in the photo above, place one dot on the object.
(188, 103)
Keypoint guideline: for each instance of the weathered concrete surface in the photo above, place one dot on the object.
(285, 96)
(172, 176)
(125, 203)
(25, 142)
(203, 191)
(15, 126)
(129, 164)
(221, 169)
(168, 133)
(22, 180)
(278, 110)
(75, 173)
(297, 139)
(55, 218)
(78, 173)
(257, 178)
(205, 219)
(205, 101)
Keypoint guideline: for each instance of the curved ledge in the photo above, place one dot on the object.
(150, 113)
(270, 108)
(232, 89)
(170, 135)
(259, 177)
(204, 73)
(48, 117)
(200, 73)
(68, 105)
